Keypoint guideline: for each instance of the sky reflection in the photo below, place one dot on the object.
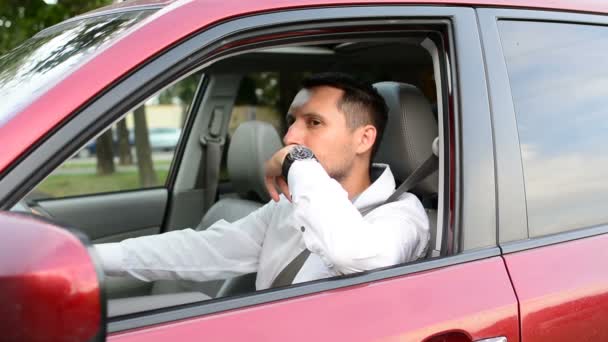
(559, 84)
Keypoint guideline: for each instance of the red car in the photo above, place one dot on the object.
(516, 92)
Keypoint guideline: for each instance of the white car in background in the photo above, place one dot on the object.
(161, 138)
(164, 138)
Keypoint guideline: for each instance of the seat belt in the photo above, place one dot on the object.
(430, 165)
(288, 274)
(212, 143)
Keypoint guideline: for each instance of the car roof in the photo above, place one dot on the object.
(591, 6)
(159, 31)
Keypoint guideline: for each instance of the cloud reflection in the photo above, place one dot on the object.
(559, 85)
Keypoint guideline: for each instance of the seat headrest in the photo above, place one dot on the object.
(251, 145)
(409, 134)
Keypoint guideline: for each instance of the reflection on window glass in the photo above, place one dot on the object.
(28, 70)
(559, 84)
(134, 153)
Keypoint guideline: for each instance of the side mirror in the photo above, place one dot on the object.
(49, 283)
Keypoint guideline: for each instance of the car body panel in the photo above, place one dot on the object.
(562, 294)
(563, 290)
(408, 308)
(160, 32)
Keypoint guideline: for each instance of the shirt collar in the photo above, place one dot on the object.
(381, 188)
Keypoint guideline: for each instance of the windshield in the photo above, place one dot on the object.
(30, 69)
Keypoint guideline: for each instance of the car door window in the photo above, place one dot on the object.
(134, 153)
(560, 95)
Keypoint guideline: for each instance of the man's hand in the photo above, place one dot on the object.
(273, 174)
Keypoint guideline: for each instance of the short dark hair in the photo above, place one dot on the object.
(361, 102)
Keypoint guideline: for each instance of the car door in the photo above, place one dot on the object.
(549, 106)
(466, 296)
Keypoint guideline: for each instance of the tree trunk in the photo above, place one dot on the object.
(105, 154)
(147, 176)
(124, 148)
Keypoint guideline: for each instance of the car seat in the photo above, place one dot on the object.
(251, 145)
(407, 142)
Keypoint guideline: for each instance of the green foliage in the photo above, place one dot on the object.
(21, 19)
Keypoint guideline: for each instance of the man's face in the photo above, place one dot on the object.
(316, 122)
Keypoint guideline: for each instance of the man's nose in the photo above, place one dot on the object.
(293, 135)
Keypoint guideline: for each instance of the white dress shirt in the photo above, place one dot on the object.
(321, 219)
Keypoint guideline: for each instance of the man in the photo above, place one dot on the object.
(330, 212)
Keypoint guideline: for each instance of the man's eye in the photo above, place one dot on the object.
(314, 122)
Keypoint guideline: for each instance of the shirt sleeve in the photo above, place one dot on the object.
(332, 227)
(223, 250)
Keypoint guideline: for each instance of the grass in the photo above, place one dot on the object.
(90, 183)
(75, 164)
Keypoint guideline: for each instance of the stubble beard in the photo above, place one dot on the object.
(341, 171)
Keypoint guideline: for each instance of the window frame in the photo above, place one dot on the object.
(472, 207)
(513, 235)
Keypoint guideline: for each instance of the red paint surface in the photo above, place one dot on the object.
(48, 285)
(173, 23)
(473, 300)
(563, 290)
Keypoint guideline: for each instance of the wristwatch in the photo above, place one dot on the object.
(298, 152)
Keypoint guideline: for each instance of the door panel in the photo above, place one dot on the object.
(111, 217)
(563, 290)
(475, 300)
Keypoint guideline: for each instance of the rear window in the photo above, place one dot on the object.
(30, 69)
(559, 83)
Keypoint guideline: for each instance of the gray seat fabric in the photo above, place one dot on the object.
(251, 145)
(408, 140)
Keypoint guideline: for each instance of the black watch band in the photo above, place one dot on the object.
(298, 152)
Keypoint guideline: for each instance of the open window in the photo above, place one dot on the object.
(210, 176)
(248, 94)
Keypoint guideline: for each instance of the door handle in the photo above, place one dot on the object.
(461, 337)
(493, 339)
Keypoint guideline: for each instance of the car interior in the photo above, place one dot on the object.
(235, 122)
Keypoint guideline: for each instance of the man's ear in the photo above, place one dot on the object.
(366, 137)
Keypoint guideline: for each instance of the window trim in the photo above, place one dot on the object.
(472, 133)
(513, 232)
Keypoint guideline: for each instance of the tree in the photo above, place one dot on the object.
(124, 146)
(105, 154)
(184, 91)
(147, 176)
(21, 19)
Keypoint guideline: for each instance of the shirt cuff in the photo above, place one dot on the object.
(112, 257)
(305, 174)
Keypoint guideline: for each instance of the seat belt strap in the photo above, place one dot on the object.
(430, 165)
(288, 274)
(213, 155)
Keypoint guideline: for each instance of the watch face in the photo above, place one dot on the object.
(299, 152)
